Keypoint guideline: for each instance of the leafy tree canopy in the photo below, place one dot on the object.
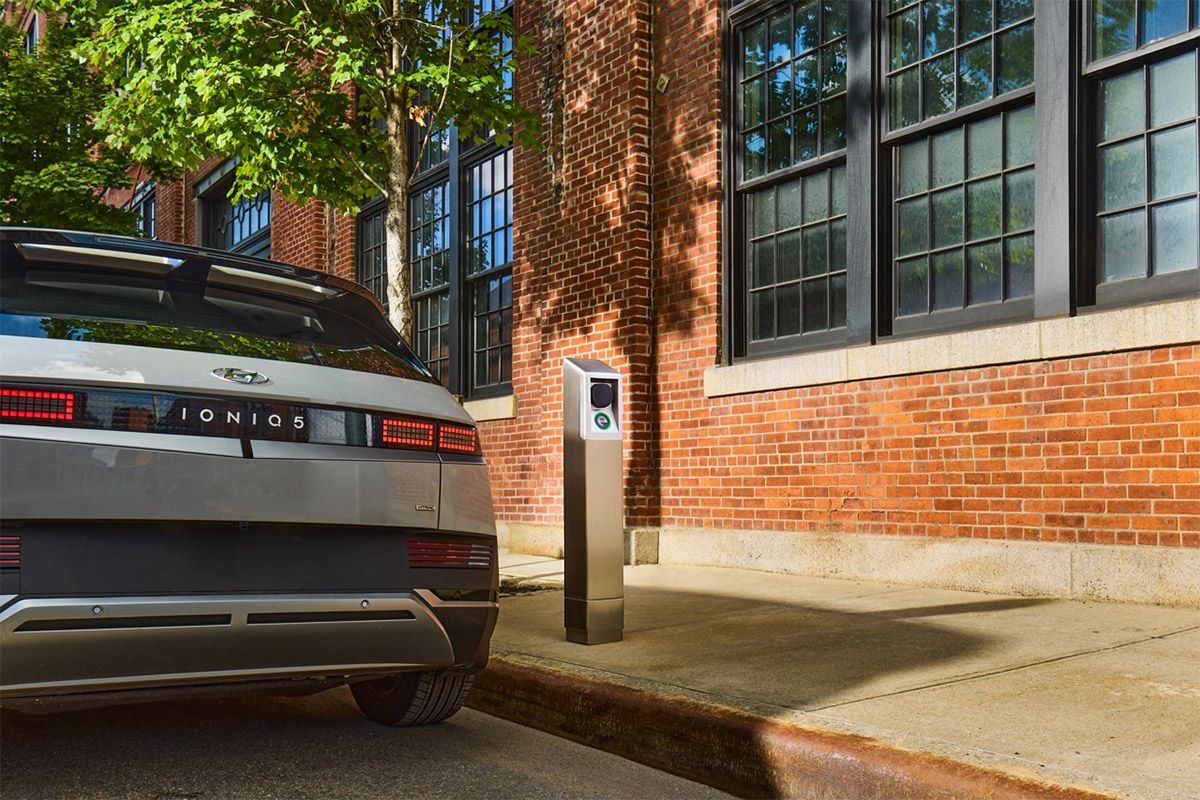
(315, 98)
(310, 96)
(52, 164)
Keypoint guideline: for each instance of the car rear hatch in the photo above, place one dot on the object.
(206, 422)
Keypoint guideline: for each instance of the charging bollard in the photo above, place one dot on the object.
(593, 519)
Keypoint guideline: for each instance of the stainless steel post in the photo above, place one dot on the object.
(593, 519)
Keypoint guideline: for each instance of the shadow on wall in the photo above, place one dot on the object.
(634, 186)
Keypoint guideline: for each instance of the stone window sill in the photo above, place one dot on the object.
(492, 408)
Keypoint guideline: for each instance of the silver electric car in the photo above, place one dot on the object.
(221, 474)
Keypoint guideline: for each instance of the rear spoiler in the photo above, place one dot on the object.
(125, 253)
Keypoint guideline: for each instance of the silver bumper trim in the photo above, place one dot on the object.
(64, 645)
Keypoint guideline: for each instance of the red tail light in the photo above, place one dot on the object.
(458, 439)
(449, 555)
(407, 433)
(10, 551)
(36, 404)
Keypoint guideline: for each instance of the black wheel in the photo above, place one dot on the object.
(411, 698)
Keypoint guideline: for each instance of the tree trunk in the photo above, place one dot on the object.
(396, 220)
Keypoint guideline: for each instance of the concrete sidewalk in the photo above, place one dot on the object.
(766, 684)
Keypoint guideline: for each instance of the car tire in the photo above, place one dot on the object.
(411, 698)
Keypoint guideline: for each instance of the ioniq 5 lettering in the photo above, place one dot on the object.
(223, 474)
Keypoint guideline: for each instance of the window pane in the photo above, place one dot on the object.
(764, 263)
(788, 298)
(1014, 59)
(837, 301)
(807, 80)
(838, 190)
(984, 151)
(1123, 174)
(1163, 18)
(1175, 236)
(764, 212)
(906, 38)
(938, 77)
(948, 280)
(752, 104)
(1123, 106)
(905, 98)
(787, 257)
(834, 14)
(984, 205)
(1018, 266)
(816, 252)
(816, 317)
(789, 207)
(948, 157)
(779, 144)
(833, 124)
(806, 134)
(1173, 162)
(948, 217)
(779, 91)
(833, 66)
(762, 315)
(780, 47)
(1173, 89)
(1123, 246)
(914, 226)
(914, 168)
(1018, 188)
(1011, 11)
(754, 48)
(816, 196)
(939, 26)
(808, 31)
(975, 19)
(984, 278)
(1114, 26)
(975, 73)
(1019, 137)
(753, 157)
(914, 286)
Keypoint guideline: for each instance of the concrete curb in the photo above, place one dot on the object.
(731, 750)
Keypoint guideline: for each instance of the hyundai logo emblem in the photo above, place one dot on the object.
(235, 375)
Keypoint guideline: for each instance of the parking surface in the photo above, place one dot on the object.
(310, 747)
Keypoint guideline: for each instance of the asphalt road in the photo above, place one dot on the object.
(310, 747)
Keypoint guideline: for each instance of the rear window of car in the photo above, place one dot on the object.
(209, 308)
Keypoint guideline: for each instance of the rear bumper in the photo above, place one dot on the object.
(76, 645)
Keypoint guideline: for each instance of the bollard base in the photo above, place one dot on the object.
(594, 637)
(594, 621)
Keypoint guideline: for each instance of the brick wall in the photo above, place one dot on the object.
(582, 239)
(618, 256)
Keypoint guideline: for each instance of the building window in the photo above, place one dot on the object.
(793, 87)
(460, 248)
(241, 227)
(1121, 26)
(1147, 195)
(489, 269)
(790, 279)
(963, 224)
(372, 253)
(429, 253)
(945, 55)
(32, 36)
(144, 205)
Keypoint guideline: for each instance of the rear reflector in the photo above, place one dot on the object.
(449, 555)
(407, 433)
(457, 439)
(10, 552)
(36, 405)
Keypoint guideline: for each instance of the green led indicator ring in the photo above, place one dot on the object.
(602, 420)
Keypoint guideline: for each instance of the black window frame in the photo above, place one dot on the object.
(737, 289)
(1064, 257)
(215, 206)
(144, 203)
(1091, 293)
(453, 170)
